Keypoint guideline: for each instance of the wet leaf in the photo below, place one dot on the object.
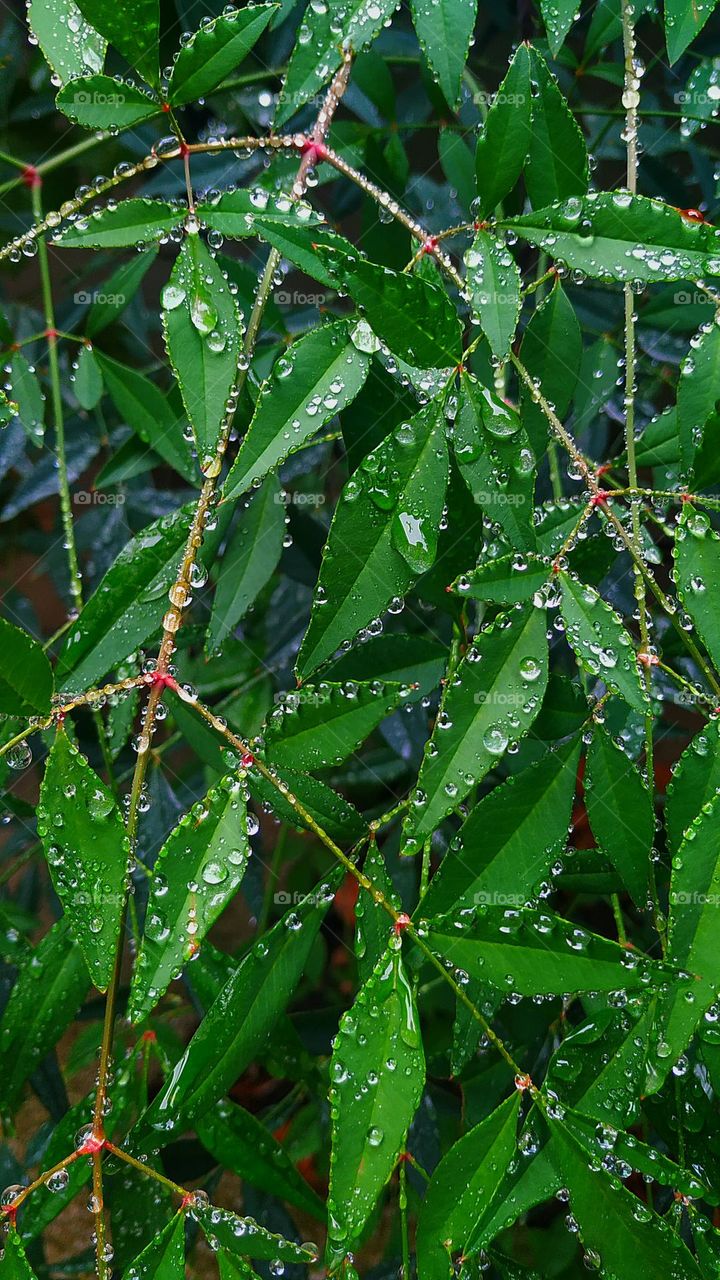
(101, 102)
(601, 643)
(123, 225)
(620, 810)
(26, 678)
(249, 560)
(215, 50)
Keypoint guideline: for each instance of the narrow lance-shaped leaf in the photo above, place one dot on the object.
(316, 378)
(318, 726)
(14, 1258)
(503, 144)
(510, 579)
(245, 1238)
(492, 700)
(377, 1076)
(385, 526)
(697, 395)
(215, 50)
(494, 282)
(371, 922)
(496, 461)
(616, 236)
(412, 315)
(620, 810)
(88, 853)
(29, 397)
(241, 213)
(237, 1024)
(147, 410)
(164, 1257)
(101, 102)
(123, 226)
(26, 678)
(697, 572)
(601, 643)
(463, 1185)
(444, 29)
(242, 1143)
(202, 329)
(117, 293)
(695, 782)
(531, 953)
(557, 163)
(318, 52)
(197, 872)
(558, 16)
(88, 379)
(249, 561)
(507, 845)
(43, 1002)
(683, 20)
(619, 1234)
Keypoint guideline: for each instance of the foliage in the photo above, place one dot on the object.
(359, 660)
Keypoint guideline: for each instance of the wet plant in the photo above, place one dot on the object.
(360, 650)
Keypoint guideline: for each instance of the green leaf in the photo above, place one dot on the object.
(124, 225)
(496, 461)
(492, 700)
(502, 146)
(551, 351)
(318, 51)
(245, 1238)
(88, 853)
(196, 874)
(239, 1141)
(43, 1002)
(70, 45)
(371, 922)
(318, 726)
(202, 329)
(494, 282)
(249, 561)
(557, 164)
(533, 953)
(215, 50)
(29, 397)
(695, 782)
(109, 302)
(698, 391)
(364, 568)
(237, 1024)
(330, 810)
(683, 20)
(88, 379)
(395, 658)
(507, 580)
(558, 16)
(697, 573)
(616, 236)
(462, 1187)
(133, 29)
(596, 381)
(444, 29)
(242, 213)
(164, 1257)
(26, 678)
(101, 102)
(317, 377)
(294, 234)
(413, 316)
(14, 1258)
(619, 1233)
(127, 606)
(620, 810)
(602, 645)
(149, 413)
(506, 848)
(377, 1077)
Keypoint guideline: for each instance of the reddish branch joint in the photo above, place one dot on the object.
(648, 659)
(429, 245)
(31, 177)
(162, 680)
(523, 1082)
(315, 151)
(247, 760)
(603, 469)
(600, 498)
(92, 1144)
(51, 334)
(401, 924)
